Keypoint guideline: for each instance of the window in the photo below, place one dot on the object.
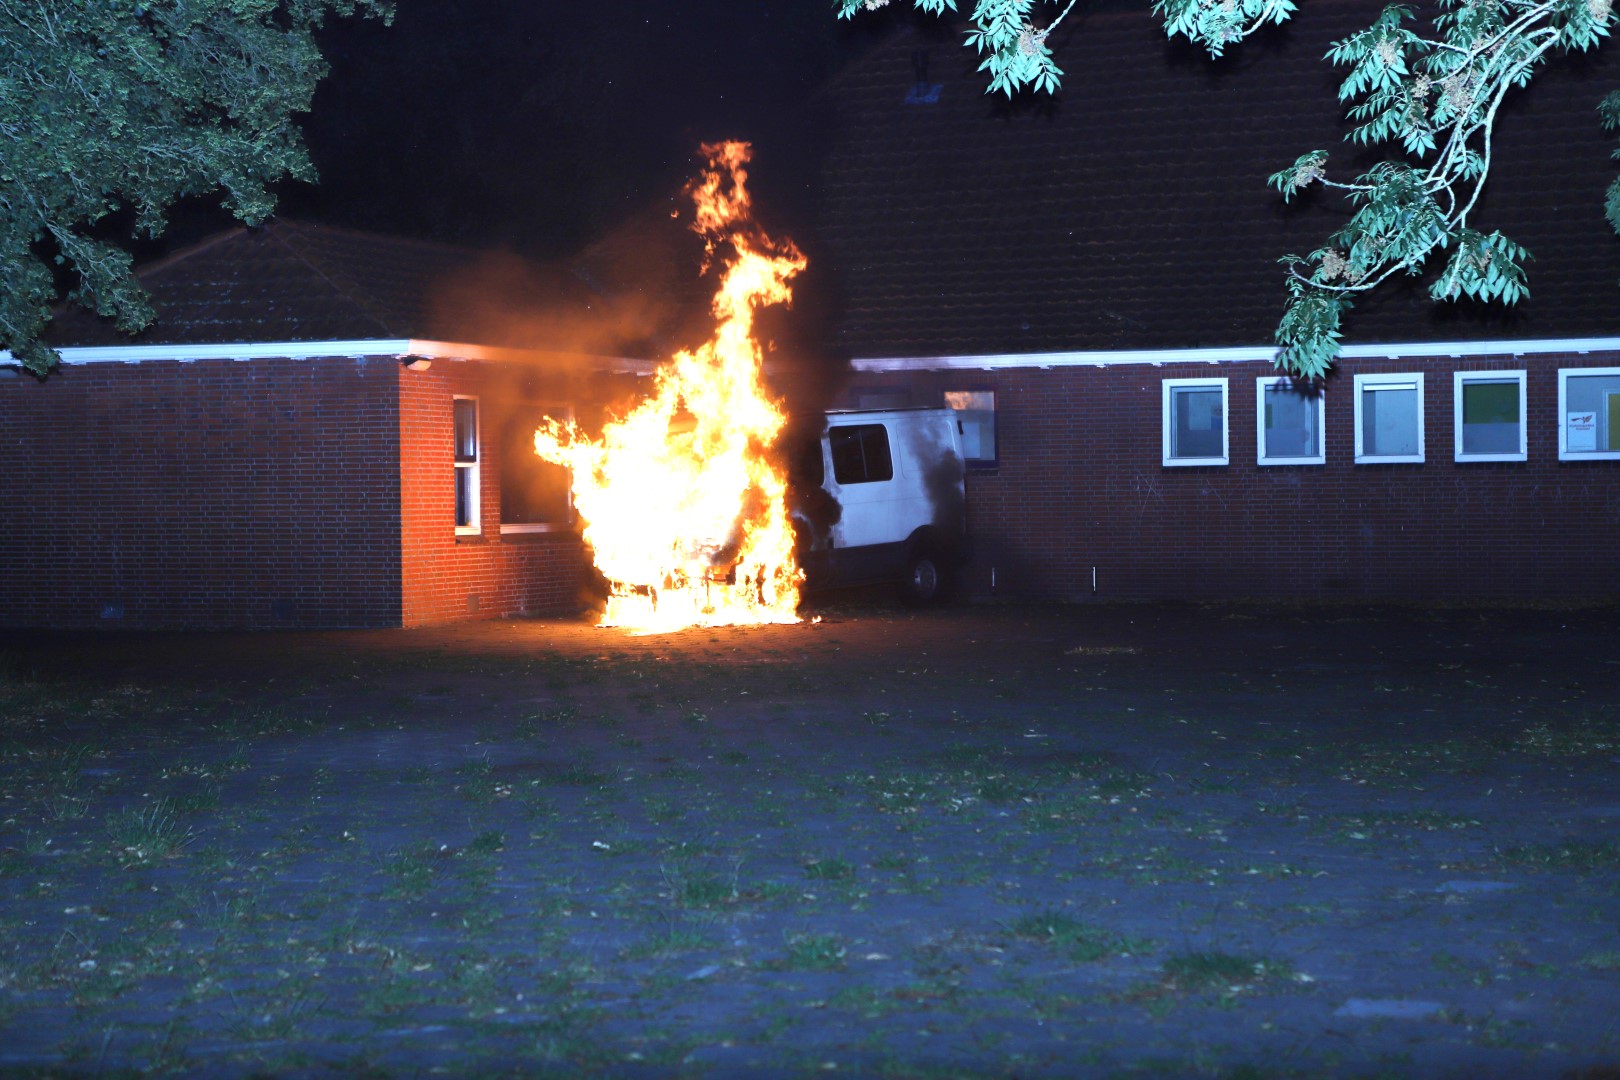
(1195, 422)
(1489, 411)
(466, 456)
(1289, 422)
(1389, 418)
(1589, 414)
(860, 454)
(976, 417)
(536, 494)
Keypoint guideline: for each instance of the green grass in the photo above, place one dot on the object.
(1569, 854)
(1073, 937)
(829, 869)
(814, 952)
(148, 834)
(1200, 971)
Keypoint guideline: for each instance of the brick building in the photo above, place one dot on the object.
(1093, 279)
(291, 444)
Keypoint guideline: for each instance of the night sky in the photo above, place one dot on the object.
(540, 127)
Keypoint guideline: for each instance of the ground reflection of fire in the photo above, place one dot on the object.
(683, 510)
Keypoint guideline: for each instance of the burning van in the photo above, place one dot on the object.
(880, 499)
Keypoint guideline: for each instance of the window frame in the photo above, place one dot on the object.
(1167, 425)
(1382, 380)
(1564, 452)
(1458, 380)
(474, 469)
(994, 460)
(557, 410)
(1267, 382)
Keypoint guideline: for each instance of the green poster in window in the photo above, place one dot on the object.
(1614, 419)
(1491, 403)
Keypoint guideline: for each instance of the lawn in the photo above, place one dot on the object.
(1111, 840)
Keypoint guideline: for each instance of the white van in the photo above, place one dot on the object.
(881, 499)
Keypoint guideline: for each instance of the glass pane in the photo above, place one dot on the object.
(1291, 429)
(1592, 413)
(534, 491)
(860, 454)
(466, 412)
(1389, 420)
(1196, 423)
(976, 415)
(464, 497)
(1490, 412)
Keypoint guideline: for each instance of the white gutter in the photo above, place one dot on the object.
(396, 348)
(1237, 355)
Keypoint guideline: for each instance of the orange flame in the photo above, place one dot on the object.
(684, 512)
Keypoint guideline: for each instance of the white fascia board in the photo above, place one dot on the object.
(395, 348)
(1246, 354)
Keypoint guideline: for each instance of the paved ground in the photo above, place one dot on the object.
(1121, 840)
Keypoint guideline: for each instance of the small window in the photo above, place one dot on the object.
(860, 454)
(466, 460)
(1589, 414)
(1389, 418)
(536, 494)
(976, 418)
(1289, 421)
(1195, 422)
(1489, 411)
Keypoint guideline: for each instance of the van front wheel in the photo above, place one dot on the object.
(926, 579)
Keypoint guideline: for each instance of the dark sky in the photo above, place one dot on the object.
(540, 126)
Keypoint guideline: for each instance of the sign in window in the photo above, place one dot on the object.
(1589, 414)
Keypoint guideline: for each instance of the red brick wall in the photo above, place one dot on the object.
(446, 576)
(210, 494)
(1080, 484)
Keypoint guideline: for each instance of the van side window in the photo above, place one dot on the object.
(860, 454)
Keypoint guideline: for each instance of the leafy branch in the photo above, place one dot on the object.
(130, 105)
(1435, 95)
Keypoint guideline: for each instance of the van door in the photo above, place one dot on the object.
(870, 483)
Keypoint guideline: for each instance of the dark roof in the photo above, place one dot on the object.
(293, 281)
(1132, 211)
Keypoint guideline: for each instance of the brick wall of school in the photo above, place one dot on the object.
(446, 576)
(215, 493)
(1080, 484)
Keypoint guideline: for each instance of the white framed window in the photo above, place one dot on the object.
(1195, 422)
(536, 495)
(1589, 414)
(1288, 423)
(1389, 418)
(976, 418)
(1488, 415)
(465, 410)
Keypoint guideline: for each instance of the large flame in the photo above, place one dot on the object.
(682, 507)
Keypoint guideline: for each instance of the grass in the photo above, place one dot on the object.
(814, 952)
(1569, 854)
(148, 834)
(1073, 937)
(1223, 971)
(929, 890)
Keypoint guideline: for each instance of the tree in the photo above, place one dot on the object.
(122, 107)
(1434, 95)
